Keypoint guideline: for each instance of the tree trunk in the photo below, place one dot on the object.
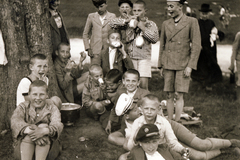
(26, 31)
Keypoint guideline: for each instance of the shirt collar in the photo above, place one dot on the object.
(176, 20)
(112, 49)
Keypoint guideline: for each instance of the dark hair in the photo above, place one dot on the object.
(120, 2)
(37, 56)
(38, 83)
(182, 2)
(62, 44)
(114, 76)
(131, 71)
(141, 2)
(112, 30)
(98, 3)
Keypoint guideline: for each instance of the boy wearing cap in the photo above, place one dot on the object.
(131, 81)
(148, 149)
(179, 51)
(115, 56)
(208, 70)
(97, 26)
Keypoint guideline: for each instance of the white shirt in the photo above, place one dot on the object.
(102, 19)
(131, 94)
(165, 133)
(155, 156)
(23, 88)
(128, 129)
(112, 53)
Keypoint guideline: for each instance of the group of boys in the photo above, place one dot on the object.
(112, 79)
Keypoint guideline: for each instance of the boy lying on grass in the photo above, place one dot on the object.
(172, 131)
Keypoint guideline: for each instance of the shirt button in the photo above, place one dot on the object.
(169, 51)
(179, 42)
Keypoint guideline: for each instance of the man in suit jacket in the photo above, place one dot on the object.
(58, 29)
(180, 45)
(97, 26)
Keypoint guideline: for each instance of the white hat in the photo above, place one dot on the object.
(124, 103)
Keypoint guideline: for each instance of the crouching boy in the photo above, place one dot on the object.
(94, 96)
(36, 125)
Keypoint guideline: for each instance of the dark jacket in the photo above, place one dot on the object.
(119, 63)
(65, 86)
(137, 153)
(138, 95)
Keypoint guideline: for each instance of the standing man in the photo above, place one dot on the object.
(208, 70)
(97, 26)
(59, 33)
(180, 45)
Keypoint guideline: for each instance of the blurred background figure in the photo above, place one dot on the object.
(208, 70)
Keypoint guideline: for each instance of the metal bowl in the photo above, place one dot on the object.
(70, 112)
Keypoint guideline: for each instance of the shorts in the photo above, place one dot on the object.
(174, 81)
(143, 66)
(182, 133)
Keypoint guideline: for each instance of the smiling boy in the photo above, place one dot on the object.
(36, 125)
(131, 81)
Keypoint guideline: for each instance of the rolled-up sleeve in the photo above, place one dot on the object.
(151, 32)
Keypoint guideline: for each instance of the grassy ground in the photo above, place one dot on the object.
(75, 13)
(218, 108)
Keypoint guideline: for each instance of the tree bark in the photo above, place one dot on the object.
(26, 31)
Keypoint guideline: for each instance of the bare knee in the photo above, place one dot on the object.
(170, 95)
(178, 95)
(111, 138)
(57, 101)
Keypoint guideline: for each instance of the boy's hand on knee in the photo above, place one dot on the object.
(41, 141)
(39, 133)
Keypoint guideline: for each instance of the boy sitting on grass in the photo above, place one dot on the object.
(94, 97)
(39, 68)
(113, 82)
(148, 138)
(198, 148)
(115, 56)
(129, 113)
(36, 125)
(131, 81)
(67, 72)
